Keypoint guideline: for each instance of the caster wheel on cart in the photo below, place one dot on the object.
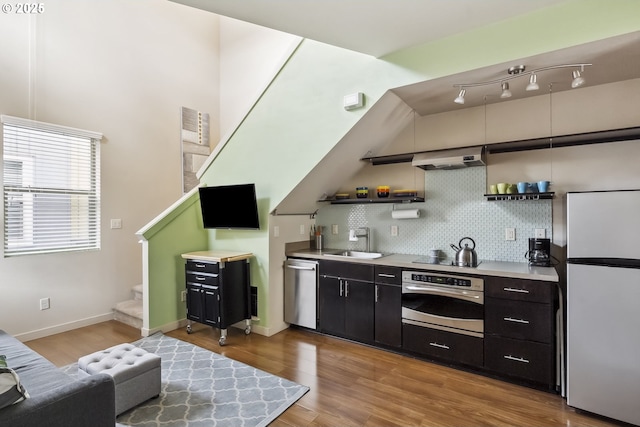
(222, 341)
(189, 330)
(247, 331)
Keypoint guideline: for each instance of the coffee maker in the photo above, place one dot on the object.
(539, 253)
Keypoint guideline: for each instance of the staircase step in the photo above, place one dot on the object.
(137, 292)
(129, 312)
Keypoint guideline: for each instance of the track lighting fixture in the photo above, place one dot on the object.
(533, 83)
(520, 71)
(578, 80)
(506, 93)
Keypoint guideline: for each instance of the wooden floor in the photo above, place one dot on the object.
(352, 384)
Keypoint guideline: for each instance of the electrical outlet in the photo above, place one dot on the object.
(394, 230)
(540, 233)
(509, 234)
(301, 228)
(45, 304)
(116, 223)
(183, 296)
(276, 231)
(334, 228)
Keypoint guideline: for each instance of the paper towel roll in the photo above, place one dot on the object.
(405, 214)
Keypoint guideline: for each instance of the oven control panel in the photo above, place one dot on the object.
(440, 280)
(422, 277)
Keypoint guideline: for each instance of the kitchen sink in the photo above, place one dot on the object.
(357, 254)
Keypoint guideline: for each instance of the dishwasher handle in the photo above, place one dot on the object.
(298, 267)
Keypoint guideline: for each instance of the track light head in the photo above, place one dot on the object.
(506, 93)
(533, 83)
(460, 98)
(578, 80)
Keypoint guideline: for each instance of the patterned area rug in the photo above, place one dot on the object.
(202, 388)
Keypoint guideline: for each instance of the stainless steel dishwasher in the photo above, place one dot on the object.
(300, 292)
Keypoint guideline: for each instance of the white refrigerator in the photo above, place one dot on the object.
(603, 303)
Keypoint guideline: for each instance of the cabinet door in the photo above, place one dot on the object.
(388, 315)
(331, 305)
(443, 345)
(359, 298)
(521, 359)
(211, 300)
(194, 303)
(518, 319)
(519, 289)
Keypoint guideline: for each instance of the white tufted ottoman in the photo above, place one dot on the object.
(136, 373)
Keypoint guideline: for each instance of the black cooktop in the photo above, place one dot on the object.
(436, 261)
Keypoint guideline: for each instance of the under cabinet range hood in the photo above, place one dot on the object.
(450, 159)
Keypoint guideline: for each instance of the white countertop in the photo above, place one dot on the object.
(516, 270)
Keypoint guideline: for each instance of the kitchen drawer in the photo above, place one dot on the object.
(519, 289)
(202, 266)
(527, 360)
(388, 275)
(442, 345)
(202, 278)
(518, 319)
(347, 270)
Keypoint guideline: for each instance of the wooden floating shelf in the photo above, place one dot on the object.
(373, 201)
(520, 196)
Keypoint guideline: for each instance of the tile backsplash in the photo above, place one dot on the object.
(454, 207)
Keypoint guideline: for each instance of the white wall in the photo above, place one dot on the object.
(250, 55)
(123, 68)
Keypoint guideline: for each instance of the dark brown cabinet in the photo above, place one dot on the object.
(520, 329)
(346, 300)
(218, 294)
(388, 306)
(443, 345)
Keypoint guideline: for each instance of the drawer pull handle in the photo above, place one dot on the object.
(392, 276)
(200, 265)
(520, 291)
(516, 359)
(201, 278)
(435, 344)
(511, 319)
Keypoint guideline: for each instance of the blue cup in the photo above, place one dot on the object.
(543, 186)
(522, 187)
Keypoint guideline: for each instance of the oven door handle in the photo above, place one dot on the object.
(437, 291)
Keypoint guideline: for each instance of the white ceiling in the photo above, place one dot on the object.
(374, 27)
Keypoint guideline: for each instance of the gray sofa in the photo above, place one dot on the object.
(55, 399)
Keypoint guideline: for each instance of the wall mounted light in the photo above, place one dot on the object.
(520, 71)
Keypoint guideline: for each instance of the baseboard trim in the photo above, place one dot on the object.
(182, 323)
(64, 327)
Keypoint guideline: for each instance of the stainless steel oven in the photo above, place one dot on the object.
(443, 301)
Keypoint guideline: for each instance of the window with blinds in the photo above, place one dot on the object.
(51, 186)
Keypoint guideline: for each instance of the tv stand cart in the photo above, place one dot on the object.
(218, 289)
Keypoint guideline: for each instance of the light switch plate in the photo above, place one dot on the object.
(334, 228)
(509, 234)
(394, 230)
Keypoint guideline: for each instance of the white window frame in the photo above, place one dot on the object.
(58, 184)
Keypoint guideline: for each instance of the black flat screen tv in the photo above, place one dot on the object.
(229, 207)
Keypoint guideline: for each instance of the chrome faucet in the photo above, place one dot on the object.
(360, 232)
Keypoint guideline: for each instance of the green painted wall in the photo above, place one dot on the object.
(177, 233)
(300, 118)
